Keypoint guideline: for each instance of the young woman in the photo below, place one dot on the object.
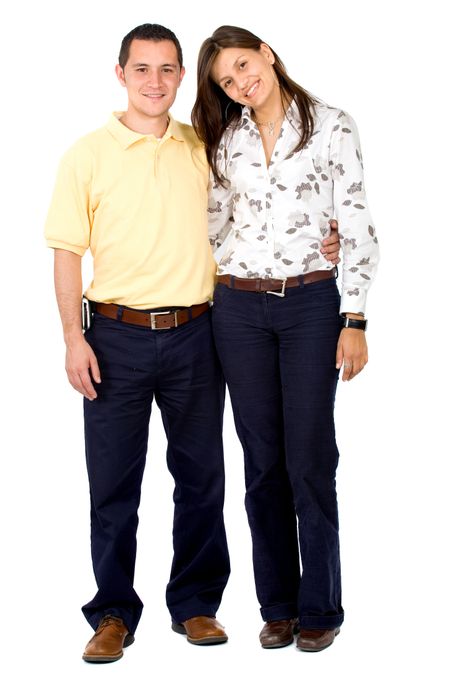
(283, 165)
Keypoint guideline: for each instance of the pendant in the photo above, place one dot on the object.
(271, 126)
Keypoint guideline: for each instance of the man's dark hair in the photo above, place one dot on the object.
(148, 31)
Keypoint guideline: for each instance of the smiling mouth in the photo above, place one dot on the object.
(252, 90)
(153, 95)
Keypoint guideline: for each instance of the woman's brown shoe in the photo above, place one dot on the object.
(278, 633)
(312, 640)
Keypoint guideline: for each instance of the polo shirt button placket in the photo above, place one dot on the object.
(152, 153)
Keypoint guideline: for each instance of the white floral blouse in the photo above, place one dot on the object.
(270, 221)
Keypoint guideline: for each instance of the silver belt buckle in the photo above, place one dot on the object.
(281, 293)
(153, 316)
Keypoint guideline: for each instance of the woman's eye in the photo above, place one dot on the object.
(227, 84)
(242, 64)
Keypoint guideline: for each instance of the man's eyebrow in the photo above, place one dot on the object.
(147, 65)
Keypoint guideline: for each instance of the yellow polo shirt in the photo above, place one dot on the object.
(140, 204)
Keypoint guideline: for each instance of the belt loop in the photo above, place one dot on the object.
(231, 281)
(189, 313)
(301, 280)
(119, 312)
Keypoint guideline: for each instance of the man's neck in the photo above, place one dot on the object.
(141, 124)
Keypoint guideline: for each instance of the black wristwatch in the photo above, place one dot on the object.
(361, 324)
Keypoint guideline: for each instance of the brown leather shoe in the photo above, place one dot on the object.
(201, 630)
(108, 641)
(278, 633)
(312, 640)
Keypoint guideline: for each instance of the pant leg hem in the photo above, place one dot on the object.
(184, 613)
(321, 622)
(279, 612)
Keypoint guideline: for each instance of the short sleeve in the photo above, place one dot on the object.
(70, 216)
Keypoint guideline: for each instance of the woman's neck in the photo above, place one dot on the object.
(271, 110)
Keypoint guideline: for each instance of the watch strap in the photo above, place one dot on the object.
(360, 324)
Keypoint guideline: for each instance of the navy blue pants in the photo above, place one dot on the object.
(278, 356)
(180, 369)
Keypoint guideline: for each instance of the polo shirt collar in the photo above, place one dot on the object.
(127, 137)
(174, 130)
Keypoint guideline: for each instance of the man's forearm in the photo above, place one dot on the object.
(68, 288)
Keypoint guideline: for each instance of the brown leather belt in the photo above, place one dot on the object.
(276, 286)
(149, 319)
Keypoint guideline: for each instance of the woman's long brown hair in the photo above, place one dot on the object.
(214, 112)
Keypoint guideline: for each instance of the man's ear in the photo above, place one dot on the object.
(120, 75)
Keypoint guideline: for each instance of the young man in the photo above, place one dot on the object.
(135, 192)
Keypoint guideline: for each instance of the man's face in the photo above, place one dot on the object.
(151, 76)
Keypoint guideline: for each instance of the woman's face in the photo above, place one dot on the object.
(246, 75)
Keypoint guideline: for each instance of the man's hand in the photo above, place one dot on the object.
(351, 352)
(81, 365)
(331, 246)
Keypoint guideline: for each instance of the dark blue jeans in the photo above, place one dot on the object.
(278, 356)
(180, 368)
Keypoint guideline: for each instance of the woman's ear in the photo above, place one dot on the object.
(267, 52)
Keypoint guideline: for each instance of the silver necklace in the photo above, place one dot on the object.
(270, 124)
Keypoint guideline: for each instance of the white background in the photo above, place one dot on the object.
(384, 63)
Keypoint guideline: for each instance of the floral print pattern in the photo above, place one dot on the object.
(270, 221)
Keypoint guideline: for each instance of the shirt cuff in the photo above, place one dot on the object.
(79, 250)
(353, 300)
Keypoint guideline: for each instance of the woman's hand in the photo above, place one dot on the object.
(351, 352)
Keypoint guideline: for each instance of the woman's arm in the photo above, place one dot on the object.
(357, 232)
(359, 242)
